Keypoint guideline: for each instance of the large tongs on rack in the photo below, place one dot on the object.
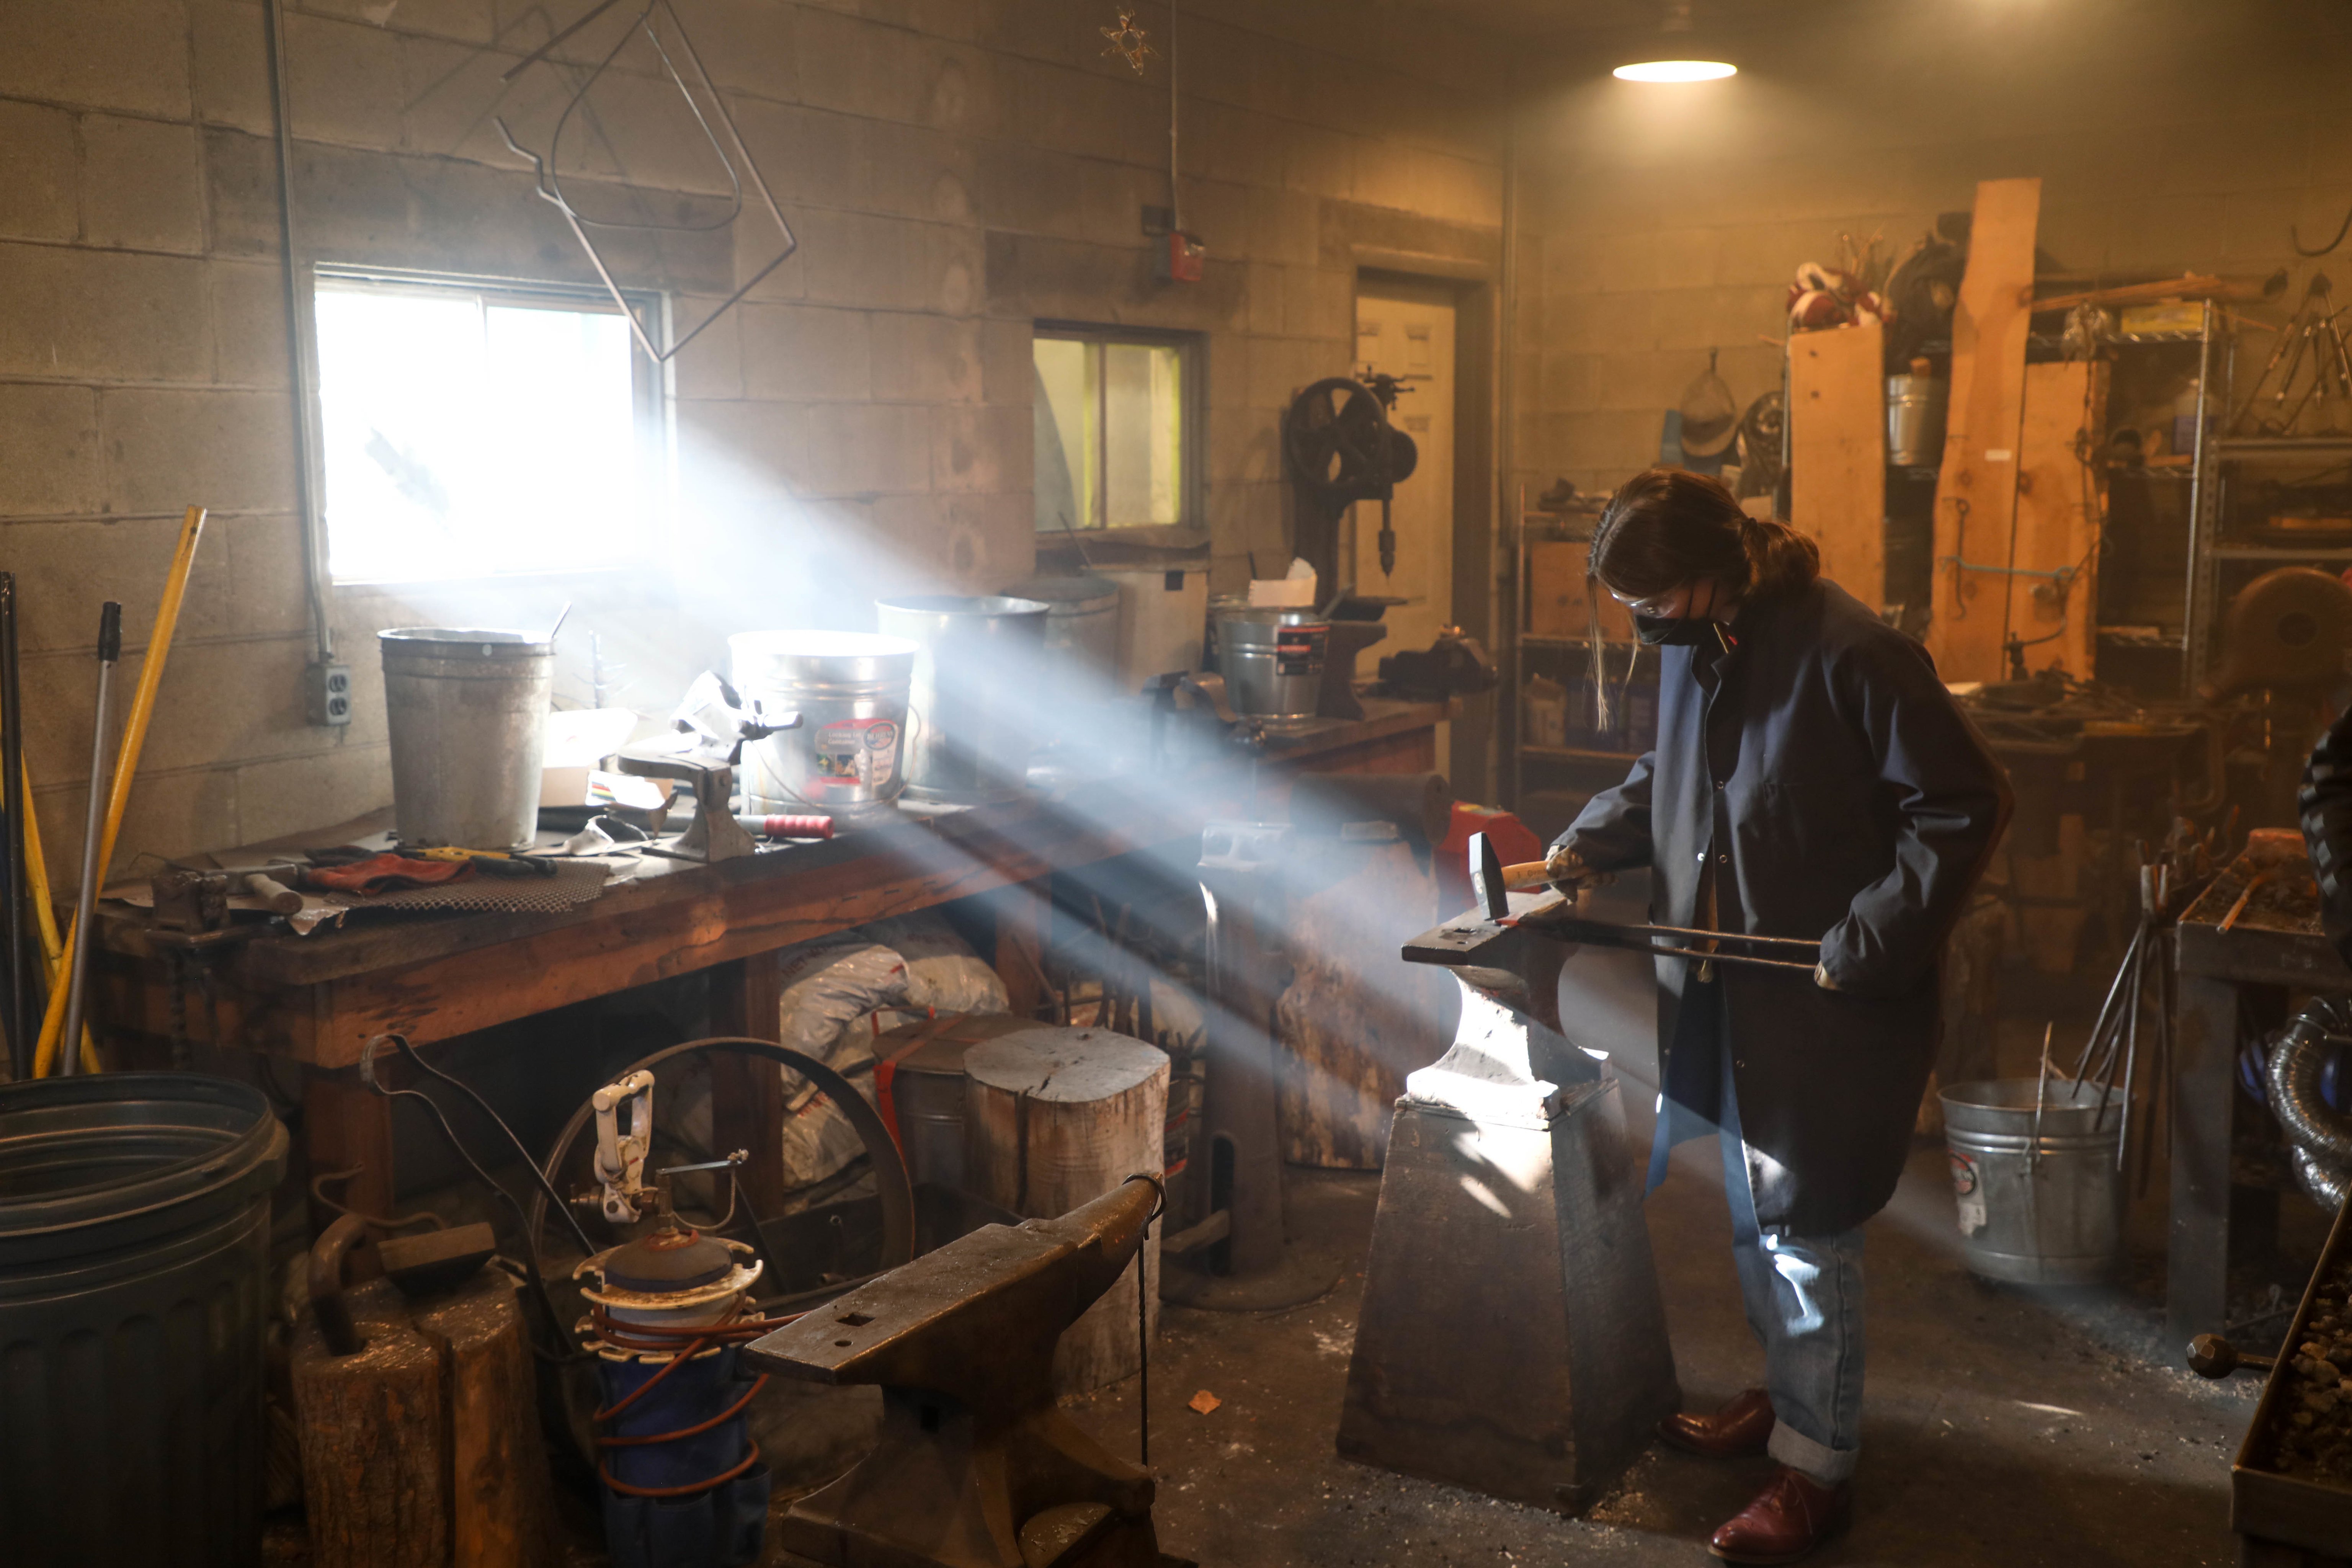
(1493, 882)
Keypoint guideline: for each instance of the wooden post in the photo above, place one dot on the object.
(1837, 453)
(346, 1125)
(1055, 1118)
(2061, 491)
(1022, 916)
(747, 1095)
(1976, 493)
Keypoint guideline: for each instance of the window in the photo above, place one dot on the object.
(471, 429)
(1115, 430)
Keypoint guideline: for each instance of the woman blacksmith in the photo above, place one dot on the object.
(1812, 779)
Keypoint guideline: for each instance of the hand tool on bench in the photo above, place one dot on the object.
(490, 862)
(1493, 881)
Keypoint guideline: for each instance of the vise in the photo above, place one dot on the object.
(1512, 1340)
(975, 1467)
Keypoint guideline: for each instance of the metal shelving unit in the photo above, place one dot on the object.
(1570, 769)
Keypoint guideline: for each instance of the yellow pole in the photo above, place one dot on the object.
(37, 885)
(126, 761)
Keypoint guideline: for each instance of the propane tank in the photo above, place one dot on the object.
(681, 1479)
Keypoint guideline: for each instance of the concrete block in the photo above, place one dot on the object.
(37, 187)
(805, 353)
(229, 55)
(926, 359)
(1279, 367)
(70, 566)
(1236, 145)
(48, 450)
(226, 699)
(450, 90)
(991, 540)
(130, 54)
(1244, 446)
(1008, 362)
(1264, 290)
(980, 447)
(105, 315)
(1319, 304)
(2252, 222)
(1284, 226)
(1219, 214)
(712, 365)
(471, 21)
(169, 815)
(1570, 381)
(229, 450)
(1319, 162)
(2168, 232)
(855, 259)
(862, 449)
(754, 242)
(263, 572)
(748, 45)
(1029, 190)
(863, 66)
(740, 459)
(344, 80)
(240, 193)
(248, 321)
(294, 794)
(139, 185)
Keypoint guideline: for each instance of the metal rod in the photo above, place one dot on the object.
(1612, 937)
(2128, 1039)
(2114, 988)
(2040, 1088)
(2131, 1064)
(1698, 932)
(110, 650)
(17, 972)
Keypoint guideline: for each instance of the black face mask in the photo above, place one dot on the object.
(1672, 631)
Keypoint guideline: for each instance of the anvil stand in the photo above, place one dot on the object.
(1512, 1340)
(1238, 1257)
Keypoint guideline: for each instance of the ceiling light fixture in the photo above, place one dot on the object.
(1677, 29)
(1675, 70)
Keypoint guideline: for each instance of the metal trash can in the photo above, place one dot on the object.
(467, 713)
(134, 1297)
(980, 666)
(2045, 1213)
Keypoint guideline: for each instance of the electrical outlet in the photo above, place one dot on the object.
(328, 688)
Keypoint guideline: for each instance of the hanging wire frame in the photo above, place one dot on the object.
(549, 187)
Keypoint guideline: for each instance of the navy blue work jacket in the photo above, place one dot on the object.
(1817, 774)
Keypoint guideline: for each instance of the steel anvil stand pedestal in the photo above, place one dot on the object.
(1512, 1340)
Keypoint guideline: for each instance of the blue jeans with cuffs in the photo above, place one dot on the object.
(1803, 1295)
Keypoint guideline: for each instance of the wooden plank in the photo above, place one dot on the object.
(1976, 494)
(1837, 453)
(345, 1125)
(2060, 498)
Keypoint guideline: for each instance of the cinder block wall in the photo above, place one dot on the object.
(1662, 222)
(956, 169)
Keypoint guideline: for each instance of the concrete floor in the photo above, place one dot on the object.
(2004, 1425)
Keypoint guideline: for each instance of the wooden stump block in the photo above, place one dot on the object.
(1354, 1020)
(422, 1449)
(1056, 1117)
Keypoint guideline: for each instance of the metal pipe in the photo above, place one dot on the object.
(18, 973)
(298, 346)
(110, 650)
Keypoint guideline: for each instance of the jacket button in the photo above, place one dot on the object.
(1719, 784)
(1702, 856)
(1738, 1062)
(1724, 859)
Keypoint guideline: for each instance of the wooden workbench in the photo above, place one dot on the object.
(2267, 954)
(316, 1000)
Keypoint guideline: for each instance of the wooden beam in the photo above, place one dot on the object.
(1975, 495)
(747, 1095)
(2061, 495)
(1837, 453)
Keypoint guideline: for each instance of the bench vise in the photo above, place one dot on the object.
(975, 1467)
(1512, 1339)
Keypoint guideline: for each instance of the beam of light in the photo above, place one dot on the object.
(2045, 1409)
(1675, 70)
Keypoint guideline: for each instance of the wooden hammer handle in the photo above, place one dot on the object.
(1526, 874)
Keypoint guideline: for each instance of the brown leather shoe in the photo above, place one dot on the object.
(1789, 1516)
(1737, 1430)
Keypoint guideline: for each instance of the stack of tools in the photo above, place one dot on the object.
(2310, 342)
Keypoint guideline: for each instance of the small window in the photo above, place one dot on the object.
(1114, 430)
(471, 429)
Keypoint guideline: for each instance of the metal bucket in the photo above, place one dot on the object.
(1915, 420)
(978, 672)
(848, 758)
(134, 1304)
(468, 711)
(1081, 623)
(2048, 1217)
(1272, 660)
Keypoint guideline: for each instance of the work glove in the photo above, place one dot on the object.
(1568, 872)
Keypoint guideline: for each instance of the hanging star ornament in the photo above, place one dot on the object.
(1126, 41)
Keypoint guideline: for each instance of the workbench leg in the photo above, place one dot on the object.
(344, 1124)
(1022, 916)
(2204, 1071)
(747, 1095)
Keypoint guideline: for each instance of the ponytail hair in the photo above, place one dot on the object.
(1667, 527)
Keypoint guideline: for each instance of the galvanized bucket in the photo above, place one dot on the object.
(978, 672)
(1081, 623)
(848, 757)
(2036, 1210)
(468, 711)
(1915, 420)
(1272, 660)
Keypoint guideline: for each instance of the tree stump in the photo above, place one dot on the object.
(1055, 1118)
(1355, 1019)
(422, 1448)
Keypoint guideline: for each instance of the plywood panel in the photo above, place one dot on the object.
(1976, 494)
(1837, 453)
(2060, 499)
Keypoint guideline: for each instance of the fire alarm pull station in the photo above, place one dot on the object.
(1184, 261)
